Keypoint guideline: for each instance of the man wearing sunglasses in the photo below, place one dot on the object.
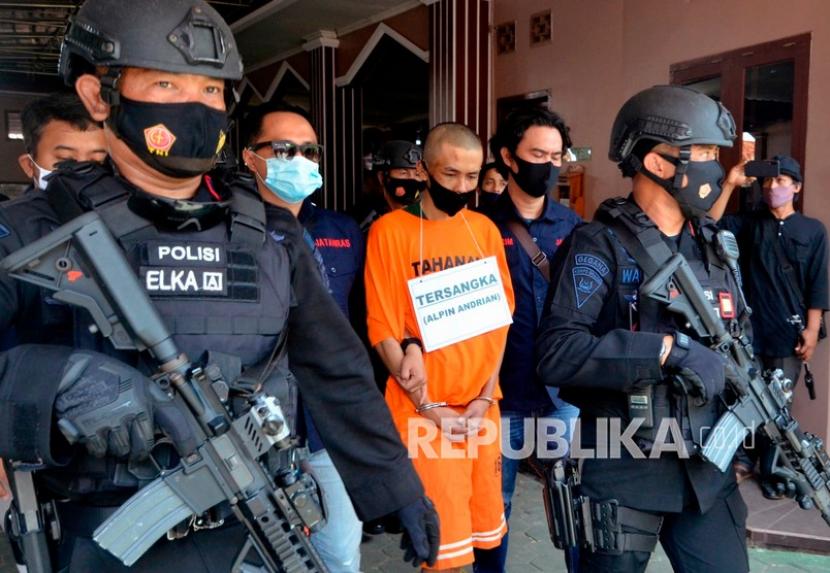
(283, 155)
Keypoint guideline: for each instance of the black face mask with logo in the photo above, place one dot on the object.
(411, 189)
(447, 200)
(535, 179)
(703, 187)
(177, 139)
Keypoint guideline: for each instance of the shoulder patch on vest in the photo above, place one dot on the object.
(587, 276)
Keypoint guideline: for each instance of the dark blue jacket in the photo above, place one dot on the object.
(340, 242)
(523, 390)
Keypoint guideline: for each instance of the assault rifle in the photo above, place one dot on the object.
(759, 400)
(222, 458)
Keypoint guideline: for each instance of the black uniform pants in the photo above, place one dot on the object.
(713, 542)
(791, 365)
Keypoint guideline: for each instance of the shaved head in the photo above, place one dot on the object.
(452, 134)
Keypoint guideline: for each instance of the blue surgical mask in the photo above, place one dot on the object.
(292, 180)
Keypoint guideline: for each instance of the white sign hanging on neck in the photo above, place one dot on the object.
(459, 303)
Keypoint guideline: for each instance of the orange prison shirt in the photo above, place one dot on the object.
(458, 372)
(466, 490)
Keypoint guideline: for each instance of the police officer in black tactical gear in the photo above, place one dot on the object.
(155, 73)
(400, 182)
(616, 355)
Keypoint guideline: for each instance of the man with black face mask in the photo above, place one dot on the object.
(619, 356)
(529, 144)
(459, 404)
(226, 292)
(400, 182)
(397, 164)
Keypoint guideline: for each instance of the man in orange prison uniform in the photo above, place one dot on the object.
(453, 390)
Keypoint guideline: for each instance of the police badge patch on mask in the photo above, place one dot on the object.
(587, 276)
(193, 269)
(159, 139)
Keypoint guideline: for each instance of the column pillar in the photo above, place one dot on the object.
(349, 150)
(321, 47)
(460, 63)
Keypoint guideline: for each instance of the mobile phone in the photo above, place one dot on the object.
(761, 169)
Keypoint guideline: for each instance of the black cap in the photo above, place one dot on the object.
(789, 166)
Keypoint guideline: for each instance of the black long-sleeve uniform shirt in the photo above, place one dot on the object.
(803, 242)
(593, 347)
(330, 363)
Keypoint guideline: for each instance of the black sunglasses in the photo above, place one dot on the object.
(287, 150)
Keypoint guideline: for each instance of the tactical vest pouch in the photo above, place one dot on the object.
(653, 403)
(640, 405)
(641, 238)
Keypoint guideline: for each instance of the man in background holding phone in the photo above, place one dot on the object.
(784, 264)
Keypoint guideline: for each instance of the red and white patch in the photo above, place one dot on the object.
(159, 139)
(727, 306)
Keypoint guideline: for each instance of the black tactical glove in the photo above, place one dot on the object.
(699, 371)
(106, 405)
(420, 538)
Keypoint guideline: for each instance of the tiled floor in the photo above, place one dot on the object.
(532, 551)
(783, 524)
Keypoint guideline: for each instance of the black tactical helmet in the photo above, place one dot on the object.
(180, 36)
(675, 115)
(397, 154)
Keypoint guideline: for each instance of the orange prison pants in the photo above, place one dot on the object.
(463, 480)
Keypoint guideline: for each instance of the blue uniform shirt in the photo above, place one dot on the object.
(337, 245)
(523, 390)
(340, 242)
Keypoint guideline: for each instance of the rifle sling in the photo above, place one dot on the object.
(638, 235)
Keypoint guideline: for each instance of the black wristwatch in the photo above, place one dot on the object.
(411, 340)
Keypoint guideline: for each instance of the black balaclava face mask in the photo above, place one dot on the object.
(445, 199)
(703, 187)
(177, 139)
(411, 189)
(535, 179)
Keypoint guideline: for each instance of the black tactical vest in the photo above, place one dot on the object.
(632, 228)
(225, 290)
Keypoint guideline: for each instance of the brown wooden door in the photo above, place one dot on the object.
(765, 88)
